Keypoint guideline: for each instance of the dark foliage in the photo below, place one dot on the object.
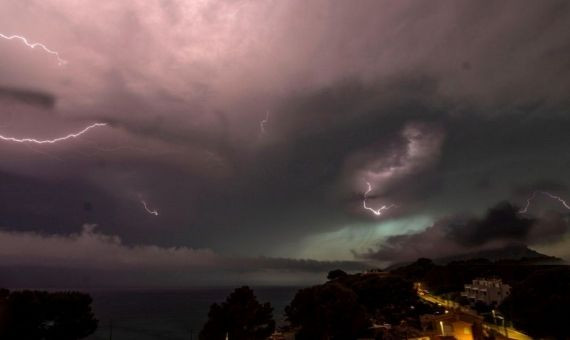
(345, 307)
(388, 298)
(241, 317)
(336, 274)
(440, 279)
(539, 305)
(41, 315)
(482, 308)
(417, 270)
(329, 311)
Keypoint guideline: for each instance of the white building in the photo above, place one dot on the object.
(489, 291)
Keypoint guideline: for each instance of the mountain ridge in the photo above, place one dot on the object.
(515, 252)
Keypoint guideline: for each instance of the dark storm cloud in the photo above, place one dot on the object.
(550, 227)
(502, 225)
(442, 107)
(26, 96)
(96, 255)
(540, 185)
(58, 205)
(502, 222)
(293, 265)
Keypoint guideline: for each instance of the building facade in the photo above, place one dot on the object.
(455, 325)
(488, 291)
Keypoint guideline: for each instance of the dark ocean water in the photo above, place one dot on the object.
(168, 314)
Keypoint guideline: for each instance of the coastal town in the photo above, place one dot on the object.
(378, 304)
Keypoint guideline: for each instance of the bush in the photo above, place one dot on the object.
(344, 307)
(41, 315)
(241, 317)
(336, 274)
(539, 305)
(329, 311)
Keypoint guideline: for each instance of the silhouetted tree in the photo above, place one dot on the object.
(329, 311)
(539, 305)
(482, 308)
(4, 312)
(344, 307)
(41, 315)
(70, 316)
(390, 298)
(241, 317)
(335, 274)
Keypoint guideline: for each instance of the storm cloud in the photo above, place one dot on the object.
(30, 97)
(90, 253)
(441, 107)
(501, 226)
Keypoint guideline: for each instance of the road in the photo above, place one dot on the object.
(511, 332)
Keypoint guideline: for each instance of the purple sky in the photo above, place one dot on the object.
(254, 127)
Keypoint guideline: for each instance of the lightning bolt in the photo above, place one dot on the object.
(60, 61)
(378, 211)
(529, 200)
(148, 210)
(264, 122)
(51, 141)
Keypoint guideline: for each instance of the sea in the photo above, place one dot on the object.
(169, 314)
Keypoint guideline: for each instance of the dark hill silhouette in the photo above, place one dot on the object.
(516, 252)
(451, 276)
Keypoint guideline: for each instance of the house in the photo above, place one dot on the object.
(488, 291)
(452, 325)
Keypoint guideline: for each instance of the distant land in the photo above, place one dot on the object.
(518, 252)
(512, 252)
